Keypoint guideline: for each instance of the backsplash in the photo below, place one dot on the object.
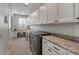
(67, 29)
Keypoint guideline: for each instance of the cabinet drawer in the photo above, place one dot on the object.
(54, 47)
(48, 51)
(52, 51)
(70, 53)
(45, 42)
(45, 51)
(59, 50)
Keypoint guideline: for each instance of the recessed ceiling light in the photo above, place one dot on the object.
(26, 3)
(42, 7)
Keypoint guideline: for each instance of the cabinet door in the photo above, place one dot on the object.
(28, 21)
(76, 12)
(45, 51)
(65, 12)
(51, 9)
(53, 48)
(33, 18)
(48, 51)
(35, 22)
(39, 16)
(42, 14)
(36, 17)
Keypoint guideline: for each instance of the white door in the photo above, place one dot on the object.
(65, 12)
(52, 12)
(76, 12)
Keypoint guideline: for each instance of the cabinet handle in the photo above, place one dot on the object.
(49, 50)
(56, 48)
(56, 20)
(45, 41)
(77, 18)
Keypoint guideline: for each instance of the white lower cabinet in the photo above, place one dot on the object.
(49, 48)
(46, 51)
(70, 53)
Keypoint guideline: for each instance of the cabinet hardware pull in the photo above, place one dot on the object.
(49, 50)
(56, 20)
(56, 48)
(45, 41)
(77, 18)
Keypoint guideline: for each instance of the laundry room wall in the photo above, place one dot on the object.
(4, 37)
(67, 29)
(4, 31)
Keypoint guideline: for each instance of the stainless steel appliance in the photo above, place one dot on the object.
(36, 41)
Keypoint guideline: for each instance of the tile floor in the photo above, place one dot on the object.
(19, 46)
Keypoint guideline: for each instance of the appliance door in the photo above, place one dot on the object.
(37, 44)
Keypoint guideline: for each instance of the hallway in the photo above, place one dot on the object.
(19, 46)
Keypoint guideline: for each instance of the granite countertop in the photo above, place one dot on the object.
(65, 43)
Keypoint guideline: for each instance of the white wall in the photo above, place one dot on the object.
(3, 36)
(4, 9)
(68, 29)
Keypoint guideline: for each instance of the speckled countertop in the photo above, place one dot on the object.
(67, 44)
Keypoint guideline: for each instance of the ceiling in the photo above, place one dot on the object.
(4, 8)
(21, 8)
(18, 8)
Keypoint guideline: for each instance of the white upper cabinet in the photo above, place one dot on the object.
(76, 12)
(65, 12)
(55, 13)
(43, 11)
(33, 19)
(28, 21)
(42, 14)
(52, 12)
(37, 17)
